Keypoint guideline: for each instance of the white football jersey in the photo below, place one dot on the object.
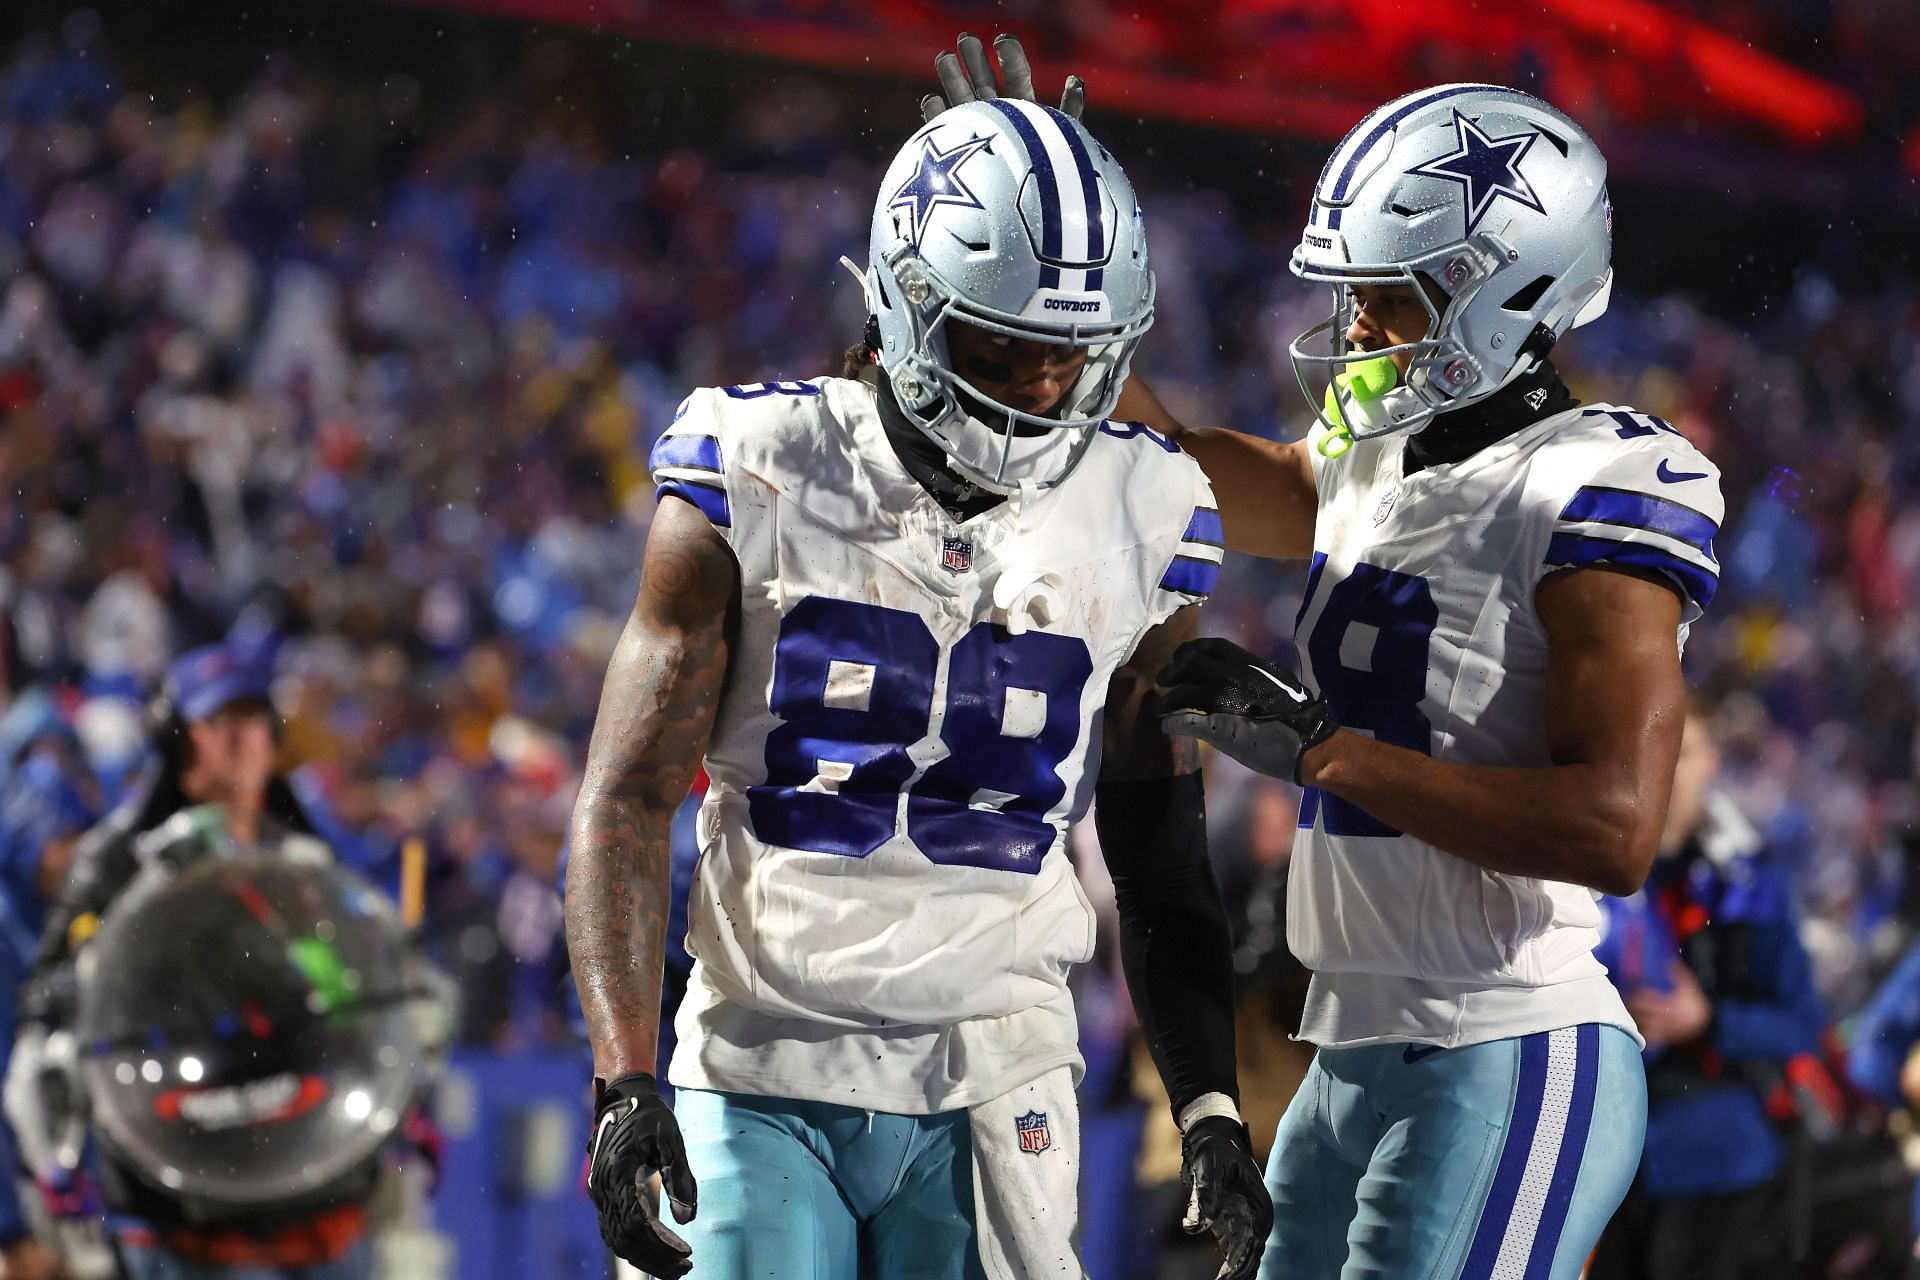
(1418, 626)
(884, 912)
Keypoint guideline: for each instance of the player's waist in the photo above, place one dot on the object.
(1396, 906)
(1345, 1010)
(858, 943)
(904, 1069)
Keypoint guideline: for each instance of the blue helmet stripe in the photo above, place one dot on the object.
(1379, 130)
(1089, 191)
(1049, 186)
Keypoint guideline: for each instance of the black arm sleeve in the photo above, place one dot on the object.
(1174, 943)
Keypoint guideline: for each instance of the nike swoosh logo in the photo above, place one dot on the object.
(607, 1122)
(1282, 685)
(1676, 477)
(1415, 1052)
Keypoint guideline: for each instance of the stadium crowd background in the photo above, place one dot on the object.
(368, 368)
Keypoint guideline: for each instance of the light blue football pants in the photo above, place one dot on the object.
(1497, 1161)
(813, 1191)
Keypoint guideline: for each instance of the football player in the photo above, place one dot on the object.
(899, 616)
(1500, 586)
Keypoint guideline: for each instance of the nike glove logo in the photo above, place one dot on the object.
(1676, 477)
(1283, 686)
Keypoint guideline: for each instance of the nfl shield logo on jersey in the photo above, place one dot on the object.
(956, 556)
(1032, 1128)
(1384, 507)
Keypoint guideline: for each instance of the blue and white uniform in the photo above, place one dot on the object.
(884, 913)
(1478, 1103)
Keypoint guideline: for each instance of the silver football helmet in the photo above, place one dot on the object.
(1493, 206)
(1007, 215)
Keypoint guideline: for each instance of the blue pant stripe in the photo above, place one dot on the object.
(1573, 1150)
(1528, 1093)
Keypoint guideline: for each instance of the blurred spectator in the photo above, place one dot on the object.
(1709, 960)
(213, 746)
(42, 813)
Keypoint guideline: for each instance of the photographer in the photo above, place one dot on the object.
(214, 746)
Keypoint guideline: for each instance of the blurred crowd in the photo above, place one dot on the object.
(330, 367)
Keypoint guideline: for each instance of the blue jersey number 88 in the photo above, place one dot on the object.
(853, 685)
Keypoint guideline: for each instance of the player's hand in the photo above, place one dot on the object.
(1226, 1194)
(635, 1135)
(1680, 1016)
(1259, 714)
(970, 78)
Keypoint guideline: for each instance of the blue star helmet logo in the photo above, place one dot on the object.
(936, 182)
(1489, 168)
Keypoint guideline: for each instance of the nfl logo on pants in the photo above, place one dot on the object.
(1032, 1128)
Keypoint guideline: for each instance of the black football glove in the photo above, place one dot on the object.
(1227, 1195)
(1259, 714)
(970, 77)
(635, 1135)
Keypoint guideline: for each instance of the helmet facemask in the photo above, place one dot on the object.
(991, 443)
(1495, 200)
(1442, 372)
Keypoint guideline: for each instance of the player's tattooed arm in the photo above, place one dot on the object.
(1615, 705)
(1265, 488)
(649, 736)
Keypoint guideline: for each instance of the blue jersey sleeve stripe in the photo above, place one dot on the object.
(697, 453)
(1190, 576)
(1205, 527)
(1580, 549)
(1643, 511)
(711, 499)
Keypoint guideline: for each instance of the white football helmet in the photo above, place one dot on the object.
(1495, 201)
(1007, 215)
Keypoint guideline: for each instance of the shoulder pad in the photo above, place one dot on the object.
(1635, 492)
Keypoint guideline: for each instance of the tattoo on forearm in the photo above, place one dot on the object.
(650, 734)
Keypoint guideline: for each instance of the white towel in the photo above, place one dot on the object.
(1026, 1181)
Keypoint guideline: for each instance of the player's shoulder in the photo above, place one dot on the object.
(760, 428)
(753, 412)
(754, 437)
(1609, 446)
(1624, 488)
(1134, 468)
(1138, 489)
